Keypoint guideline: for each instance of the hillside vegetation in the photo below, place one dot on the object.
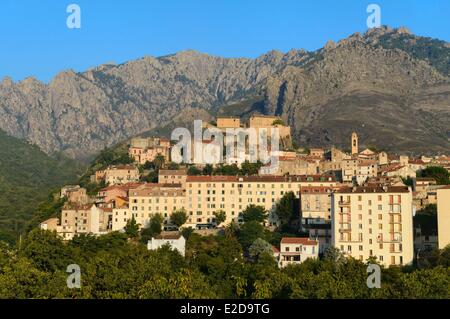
(27, 176)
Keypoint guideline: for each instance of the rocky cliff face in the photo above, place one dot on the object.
(380, 83)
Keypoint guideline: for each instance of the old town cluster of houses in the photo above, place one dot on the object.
(355, 201)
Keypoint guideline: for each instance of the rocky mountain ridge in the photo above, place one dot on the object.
(380, 83)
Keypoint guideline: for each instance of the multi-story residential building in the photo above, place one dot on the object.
(366, 170)
(317, 152)
(298, 165)
(144, 150)
(315, 212)
(167, 176)
(443, 212)
(121, 174)
(147, 200)
(374, 222)
(393, 170)
(349, 169)
(295, 250)
(80, 219)
(108, 196)
(232, 194)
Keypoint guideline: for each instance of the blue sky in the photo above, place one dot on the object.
(35, 40)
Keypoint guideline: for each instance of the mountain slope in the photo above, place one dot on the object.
(27, 175)
(396, 72)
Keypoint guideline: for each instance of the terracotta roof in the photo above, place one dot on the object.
(298, 240)
(122, 166)
(416, 161)
(266, 178)
(172, 172)
(168, 235)
(275, 250)
(392, 168)
(371, 189)
(425, 179)
(315, 189)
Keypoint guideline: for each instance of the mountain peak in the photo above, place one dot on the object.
(7, 81)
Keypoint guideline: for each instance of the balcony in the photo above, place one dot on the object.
(345, 227)
(344, 203)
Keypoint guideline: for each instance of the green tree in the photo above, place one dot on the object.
(249, 232)
(153, 228)
(173, 166)
(278, 122)
(208, 170)
(132, 228)
(426, 219)
(179, 217)
(159, 161)
(287, 212)
(187, 232)
(258, 247)
(254, 213)
(46, 250)
(193, 171)
(440, 174)
(228, 170)
(220, 216)
(248, 168)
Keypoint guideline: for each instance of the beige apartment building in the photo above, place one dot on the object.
(443, 212)
(349, 169)
(366, 170)
(298, 165)
(202, 196)
(315, 212)
(374, 221)
(121, 174)
(232, 194)
(167, 176)
(147, 200)
(80, 219)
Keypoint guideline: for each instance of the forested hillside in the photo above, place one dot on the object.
(27, 176)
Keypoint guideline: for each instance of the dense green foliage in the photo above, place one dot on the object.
(178, 217)
(220, 216)
(113, 266)
(440, 174)
(254, 213)
(426, 219)
(247, 168)
(286, 210)
(27, 176)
